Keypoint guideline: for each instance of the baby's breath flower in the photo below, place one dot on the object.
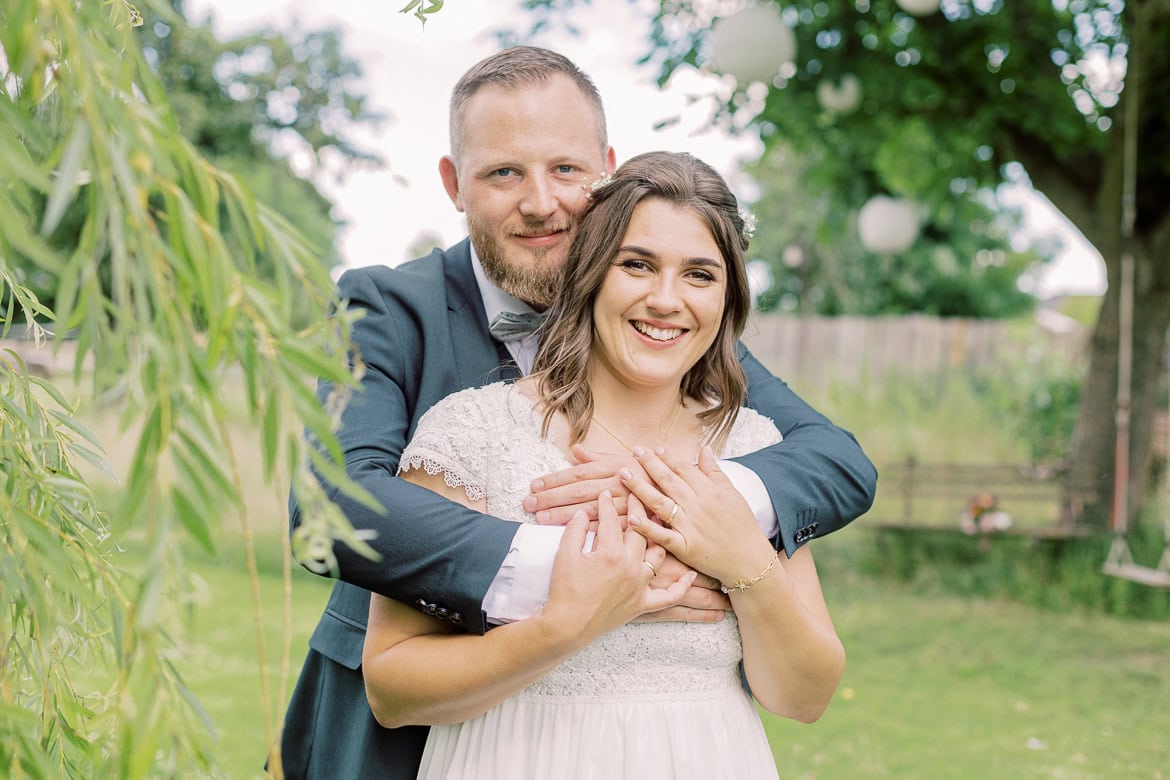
(598, 183)
(749, 223)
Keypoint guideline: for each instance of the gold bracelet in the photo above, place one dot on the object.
(742, 585)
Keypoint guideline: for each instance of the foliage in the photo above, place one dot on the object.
(962, 266)
(163, 294)
(1038, 402)
(1068, 95)
(246, 105)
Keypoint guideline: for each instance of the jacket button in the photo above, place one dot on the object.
(457, 618)
(442, 613)
(431, 609)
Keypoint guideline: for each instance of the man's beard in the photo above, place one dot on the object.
(536, 284)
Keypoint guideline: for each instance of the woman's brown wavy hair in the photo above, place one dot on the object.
(717, 380)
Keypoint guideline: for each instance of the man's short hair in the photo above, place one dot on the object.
(516, 67)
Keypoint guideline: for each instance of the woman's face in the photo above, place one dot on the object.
(661, 304)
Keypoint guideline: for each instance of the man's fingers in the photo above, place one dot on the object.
(560, 515)
(705, 598)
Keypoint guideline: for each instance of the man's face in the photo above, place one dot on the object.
(525, 158)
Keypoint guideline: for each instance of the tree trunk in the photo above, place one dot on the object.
(1094, 438)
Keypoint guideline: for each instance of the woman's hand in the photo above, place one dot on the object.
(701, 518)
(595, 591)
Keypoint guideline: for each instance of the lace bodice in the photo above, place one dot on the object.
(487, 440)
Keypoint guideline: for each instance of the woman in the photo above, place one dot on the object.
(639, 350)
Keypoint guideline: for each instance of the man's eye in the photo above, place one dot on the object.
(566, 169)
(503, 173)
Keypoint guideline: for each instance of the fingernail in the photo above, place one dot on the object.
(542, 517)
(530, 504)
(639, 452)
(633, 520)
(660, 450)
(606, 494)
(537, 484)
(625, 474)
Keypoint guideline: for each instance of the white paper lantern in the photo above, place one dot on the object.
(752, 44)
(919, 7)
(887, 225)
(842, 97)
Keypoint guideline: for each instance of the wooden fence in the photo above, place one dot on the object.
(817, 351)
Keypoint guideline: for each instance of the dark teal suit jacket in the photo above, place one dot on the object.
(424, 336)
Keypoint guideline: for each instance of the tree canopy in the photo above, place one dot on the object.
(958, 97)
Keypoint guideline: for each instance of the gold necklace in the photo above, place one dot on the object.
(630, 449)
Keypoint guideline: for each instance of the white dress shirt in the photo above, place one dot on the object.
(521, 586)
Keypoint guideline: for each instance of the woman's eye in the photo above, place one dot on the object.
(633, 264)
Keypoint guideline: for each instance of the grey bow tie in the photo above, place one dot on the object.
(510, 326)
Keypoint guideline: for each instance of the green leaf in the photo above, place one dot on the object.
(67, 178)
(193, 519)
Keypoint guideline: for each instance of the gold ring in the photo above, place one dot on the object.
(673, 514)
(648, 565)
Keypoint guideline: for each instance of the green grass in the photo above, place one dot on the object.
(937, 686)
(940, 686)
(943, 681)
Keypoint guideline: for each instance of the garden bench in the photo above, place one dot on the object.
(1039, 499)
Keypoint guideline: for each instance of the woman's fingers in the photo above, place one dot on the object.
(648, 494)
(661, 598)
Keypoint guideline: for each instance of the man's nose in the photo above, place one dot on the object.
(540, 199)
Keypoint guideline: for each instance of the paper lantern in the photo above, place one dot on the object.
(887, 225)
(918, 7)
(842, 97)
(752, 44)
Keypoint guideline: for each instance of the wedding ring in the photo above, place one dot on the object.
(669, 521)
(648, 565)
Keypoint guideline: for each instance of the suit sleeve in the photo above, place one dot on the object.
(818, 478)
(432, 551)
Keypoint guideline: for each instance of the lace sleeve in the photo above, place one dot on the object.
(449, 440)
(752, 431)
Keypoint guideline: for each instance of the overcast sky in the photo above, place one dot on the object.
(409, 72)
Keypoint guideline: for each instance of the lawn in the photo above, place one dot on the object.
(938, 685)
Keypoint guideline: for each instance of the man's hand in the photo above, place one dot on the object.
(558, 496)
(703, 602)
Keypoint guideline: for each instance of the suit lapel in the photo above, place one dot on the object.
(479, 358)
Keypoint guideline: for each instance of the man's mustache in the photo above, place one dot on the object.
(542, 229)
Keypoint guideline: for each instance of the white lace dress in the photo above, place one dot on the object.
(648, 701)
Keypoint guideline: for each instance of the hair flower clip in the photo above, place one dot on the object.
(749, 223)
(595, 185)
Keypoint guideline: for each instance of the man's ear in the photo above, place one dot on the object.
(610, 160)
(450, 176)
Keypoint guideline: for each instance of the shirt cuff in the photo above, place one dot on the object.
(751, 487)
(520, 588)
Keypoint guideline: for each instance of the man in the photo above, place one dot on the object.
(527, 136)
